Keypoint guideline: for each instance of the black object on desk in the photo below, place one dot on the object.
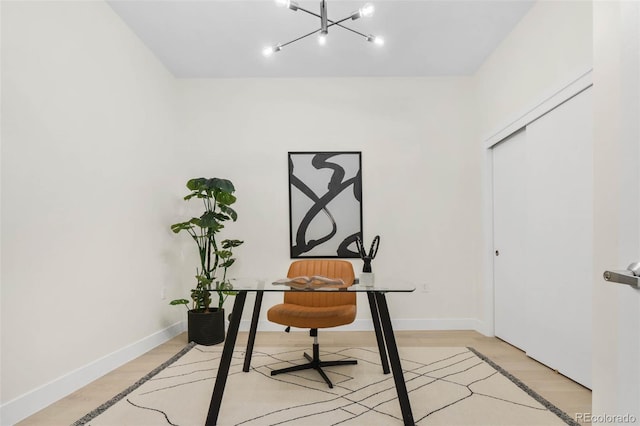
(367, 258)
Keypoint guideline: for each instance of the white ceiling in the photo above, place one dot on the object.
(225, 38)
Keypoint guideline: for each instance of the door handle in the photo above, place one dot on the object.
(630, 276)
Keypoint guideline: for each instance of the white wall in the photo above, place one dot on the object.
(551, 46)
(87, 195)
(421, 175)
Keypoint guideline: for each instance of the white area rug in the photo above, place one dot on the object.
(447, 386)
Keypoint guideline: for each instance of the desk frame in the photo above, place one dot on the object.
(384, 336)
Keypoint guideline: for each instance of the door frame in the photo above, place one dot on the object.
(549, 101)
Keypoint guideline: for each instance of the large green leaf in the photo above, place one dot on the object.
(209, 220)
(227, 263)
(223, 185)
(224, 285)
(202, 187)
(179, 302)
(231, 243)
(221, 216)
(177, 227)
(197, 184)
(224, 198)
(224, 253)
(226, 288)
(229, 211)
(204, 281)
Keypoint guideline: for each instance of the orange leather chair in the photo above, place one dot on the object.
(316, 310)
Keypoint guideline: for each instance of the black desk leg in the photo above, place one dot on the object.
(375, 316)
(252, 331)
(394, 358)
(225, 360)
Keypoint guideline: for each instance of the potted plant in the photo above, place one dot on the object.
(206, 323)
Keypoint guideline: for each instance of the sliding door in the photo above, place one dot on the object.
(543, 232)
(560, 237)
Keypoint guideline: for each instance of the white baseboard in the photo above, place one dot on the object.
(484, 328)
(30, 403)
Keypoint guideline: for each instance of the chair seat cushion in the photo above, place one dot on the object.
(312, 317)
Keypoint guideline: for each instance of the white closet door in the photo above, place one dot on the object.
(559, 237)
(543, 232)
(510, 266)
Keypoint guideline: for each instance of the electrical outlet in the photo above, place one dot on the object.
(425, 288)
(163, 293)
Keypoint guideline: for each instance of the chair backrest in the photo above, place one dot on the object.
(330, 268)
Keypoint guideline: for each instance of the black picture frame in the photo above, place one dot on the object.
(325, 204)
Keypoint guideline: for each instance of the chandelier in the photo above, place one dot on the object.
(325, 23)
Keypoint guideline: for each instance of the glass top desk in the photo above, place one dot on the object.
(379, 315)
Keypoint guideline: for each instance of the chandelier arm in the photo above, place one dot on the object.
(338, 22)
(332, 23)
(347, 28)
(309, 12)
(299, 38)
(329, 20)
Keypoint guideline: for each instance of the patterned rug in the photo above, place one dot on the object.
(447, 386)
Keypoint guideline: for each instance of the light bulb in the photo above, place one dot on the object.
(367, 10)
(374, 39)
(288, 4)
(322, 39)
(270, 50)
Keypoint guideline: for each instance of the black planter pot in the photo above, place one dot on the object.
(206, 328)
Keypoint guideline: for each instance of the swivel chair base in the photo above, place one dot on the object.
(316, 364)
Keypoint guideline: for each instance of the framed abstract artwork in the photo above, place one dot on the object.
(325, 203)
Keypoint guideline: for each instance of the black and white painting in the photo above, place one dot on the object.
(325, 203)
